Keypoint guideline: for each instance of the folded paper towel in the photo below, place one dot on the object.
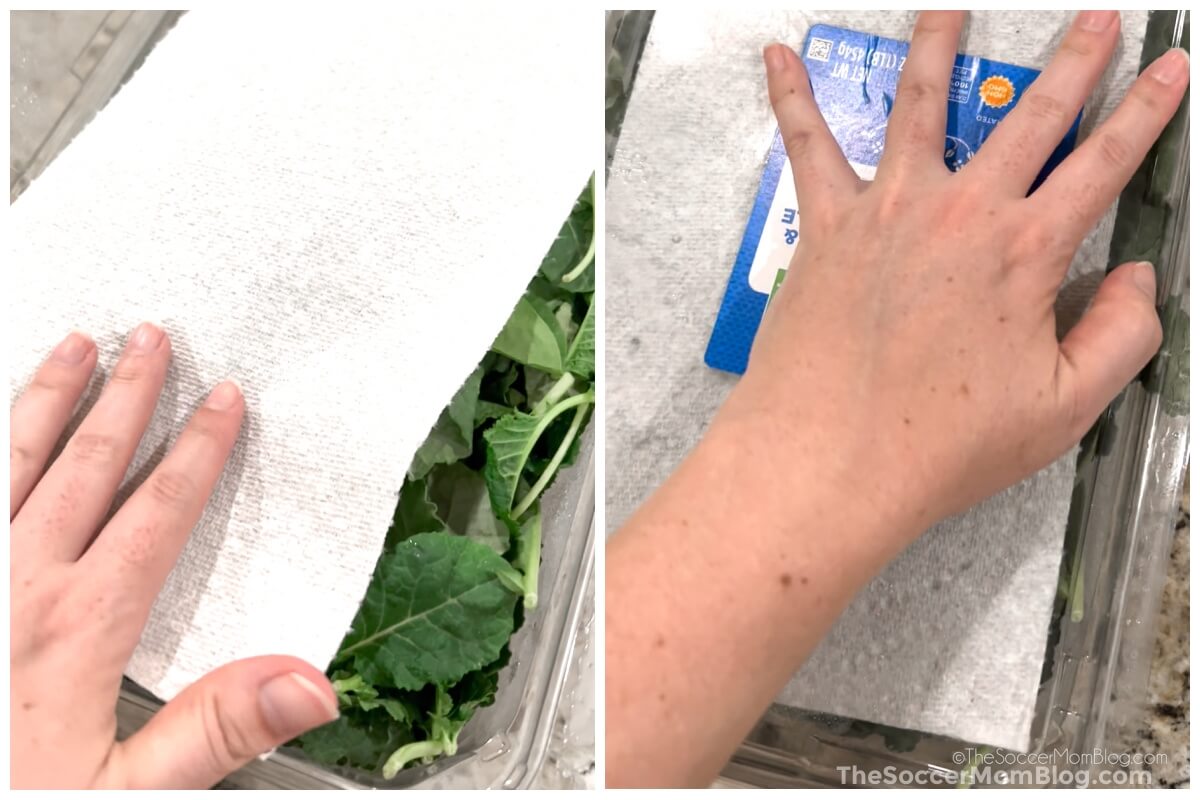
(338, 211)
(950, 638)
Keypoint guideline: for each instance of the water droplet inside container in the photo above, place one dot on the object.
(494, 748)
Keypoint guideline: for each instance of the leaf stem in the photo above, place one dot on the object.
(411, 752)
(965, 780)
(578, 269)
(560, 454)
(561, 387)
(531, 560)
(1077, 586)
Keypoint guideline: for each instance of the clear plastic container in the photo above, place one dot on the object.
(65, 66)
(504, 744)
(55, 94)
(1130, 474)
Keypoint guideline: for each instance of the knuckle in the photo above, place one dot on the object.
(94, 449)
(138, 547)
(1036, 244)
(1145, 326)
(916, 91)
(130, 369)
(228, 742)
(928, 23)
(45, 383)
(42, 604)
(1149, 95)
(1115, 150)
(1047, 109)
(1085, 204)
(798, 141)
(1078, 43)
(888, 205)
(171, 488)
(19, 457)
(208, 426)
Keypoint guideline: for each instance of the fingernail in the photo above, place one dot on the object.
(146, 337)
(73, 349)
(1096, 21)
(292, 704)
(1171, 66)
(773, 55)
(1143, 278)
(223, 397)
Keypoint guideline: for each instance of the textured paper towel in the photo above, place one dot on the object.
(949, 639)
(338, 211)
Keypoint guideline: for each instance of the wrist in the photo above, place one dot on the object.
(815, 479)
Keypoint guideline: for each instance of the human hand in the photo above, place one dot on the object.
(912, 347)
(80, 598)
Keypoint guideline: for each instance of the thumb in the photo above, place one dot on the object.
(223, 720)
(1107, 348)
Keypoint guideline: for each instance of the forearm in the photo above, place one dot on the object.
(717, 590)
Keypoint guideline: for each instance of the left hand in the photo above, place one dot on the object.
(83, 582)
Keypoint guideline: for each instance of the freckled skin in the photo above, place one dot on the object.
(889, 299)
(84, 576)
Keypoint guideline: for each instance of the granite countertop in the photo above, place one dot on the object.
(1166, 728)
(571, 758)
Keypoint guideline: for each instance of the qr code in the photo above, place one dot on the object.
(819, 49)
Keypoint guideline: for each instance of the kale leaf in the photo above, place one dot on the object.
(460, 564)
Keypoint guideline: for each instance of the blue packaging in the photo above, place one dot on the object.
(854, 77)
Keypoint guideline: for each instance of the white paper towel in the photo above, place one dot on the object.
(951, 637)
(338, 210)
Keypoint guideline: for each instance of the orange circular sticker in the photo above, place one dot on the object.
(996, 91)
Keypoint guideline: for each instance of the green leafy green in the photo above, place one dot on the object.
(581, 357)
(450, 438)
(461, 559)
(356, 739)
(509, 444)
(415, 513)
(461, 496)
(571, 260)
(435, 610)
(533, 336)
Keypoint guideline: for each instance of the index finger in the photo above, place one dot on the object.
(137, 549)
(819, 167)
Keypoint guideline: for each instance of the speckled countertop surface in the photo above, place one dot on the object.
(571, 759)
(1166, 728)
